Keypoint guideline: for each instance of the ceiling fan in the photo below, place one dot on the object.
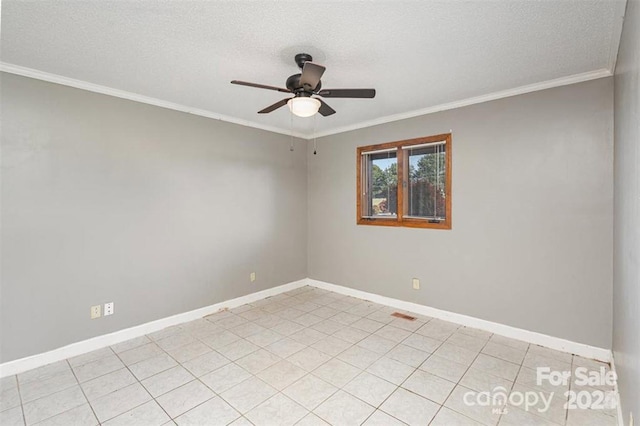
(303, 86)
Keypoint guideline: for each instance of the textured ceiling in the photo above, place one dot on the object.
(417, 54)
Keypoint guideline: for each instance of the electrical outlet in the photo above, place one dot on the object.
(95, 311)
(108, 309)
(252, 276)
(416, 284)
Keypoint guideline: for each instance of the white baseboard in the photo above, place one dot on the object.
(79, 348)
(615, 388)
(556, 343)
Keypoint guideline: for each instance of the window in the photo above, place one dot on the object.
(422, 200)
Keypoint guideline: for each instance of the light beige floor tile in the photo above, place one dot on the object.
(265, 338)
(152, 366)
(477, 333)
(205, 363)
(423, 343)
(506, 341)
(238, 349)
(517, 417)
(377, 344)
(496, 367)
(506, 353)
(551, 353)
(277, 410)
(336, 372)
(120, 401)
(130, 344)
(225, 377)
(466, 341)
(97, 368)
(448, 417)
(483, 381)
(409, 407)
(166, 381)
(390, 370)
(79, 360)
(479, 413)
(393, 333)
(445, 368)
(369, 388)
(12, 417)
(108, 383)
(54, 404)
(308, 359)
(184, 398)
(148, 414)
(10, 398)
(247, 329)
(257, 361)
(429, 386)
(248, 394)
(310, 391)
(214, 412)
(342, 409)
(43, 372)
(175, 341)
(79, 416)
(285, 348)
(359, 357)
(408, 355)
(368, 325)
(351, 335)
(140, 353)
(307, 336)
(219, 340)
(189, 351)
(535, 360)
(281, 374)
(380, 418)
(328, 327)
(312, 420)
(456, 354)
(332, 346)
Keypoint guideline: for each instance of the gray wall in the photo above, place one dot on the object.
(626, 249)
(158, 211)
(532, 229)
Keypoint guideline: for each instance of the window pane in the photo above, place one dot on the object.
(380, 198)
(426, 192)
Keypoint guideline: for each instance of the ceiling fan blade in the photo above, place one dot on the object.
(311, 74)
(274, 106)
(260, 86)
(325, 109)
(347, 93)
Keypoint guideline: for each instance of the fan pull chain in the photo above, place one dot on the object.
(315, 147)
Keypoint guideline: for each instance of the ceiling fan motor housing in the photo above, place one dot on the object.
(293, 84)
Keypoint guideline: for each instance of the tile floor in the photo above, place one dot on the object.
(306, 357)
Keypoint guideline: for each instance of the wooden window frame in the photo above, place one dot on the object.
(399, 220)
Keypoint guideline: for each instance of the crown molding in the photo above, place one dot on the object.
(91, 87)
(79, 84)
(616, 33)
(563, 81)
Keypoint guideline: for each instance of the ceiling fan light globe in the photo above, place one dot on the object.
(304, 106)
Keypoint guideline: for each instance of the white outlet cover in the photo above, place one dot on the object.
(416, 283)
(108, 309)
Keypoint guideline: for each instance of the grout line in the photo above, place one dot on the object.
(83, 392)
